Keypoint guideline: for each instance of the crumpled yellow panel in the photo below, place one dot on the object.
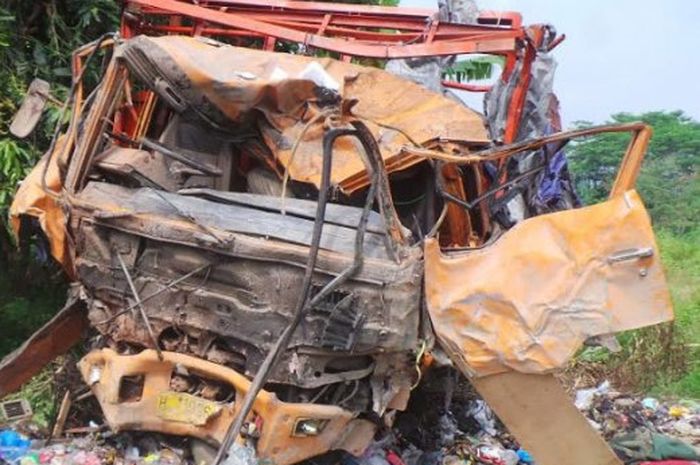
(528, 301)
(31, 200)
(241, 82)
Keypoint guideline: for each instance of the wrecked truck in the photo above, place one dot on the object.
(274, 248)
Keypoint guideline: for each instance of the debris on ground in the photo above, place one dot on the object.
(462, 430)
(95, 449)
(614, 413)
(638, 429)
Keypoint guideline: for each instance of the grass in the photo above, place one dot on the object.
(41, 395)
(25, 305)
(662, 360)
(681, 258)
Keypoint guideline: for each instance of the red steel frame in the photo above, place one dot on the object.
(350, 30)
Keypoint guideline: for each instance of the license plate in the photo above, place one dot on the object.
(186, 408)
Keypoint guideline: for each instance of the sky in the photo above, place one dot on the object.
(619, 55)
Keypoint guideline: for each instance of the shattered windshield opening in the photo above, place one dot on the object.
(185, 153)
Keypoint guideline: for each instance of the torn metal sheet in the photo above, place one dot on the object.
(228, 84)
(216, 220)
(528, 301)
(31, 199)
(236, 261)
(43, 346)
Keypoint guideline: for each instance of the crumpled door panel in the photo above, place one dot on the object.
(528, 301)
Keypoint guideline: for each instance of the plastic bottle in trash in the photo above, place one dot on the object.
(525, 456)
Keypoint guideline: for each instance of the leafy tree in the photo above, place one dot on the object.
(474, 69)
(36, 40)
(668, 181)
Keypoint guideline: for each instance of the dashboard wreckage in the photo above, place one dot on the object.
(271, 248)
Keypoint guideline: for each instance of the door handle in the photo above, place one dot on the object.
(631, 254)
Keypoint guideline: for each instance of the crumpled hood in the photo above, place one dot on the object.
(227, 84)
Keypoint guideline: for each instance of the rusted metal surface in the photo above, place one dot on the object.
(350, 36)
(213, 269)
(357, 31)
(398, 113)
(246, 279)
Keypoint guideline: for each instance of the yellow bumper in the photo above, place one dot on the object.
(283, 439)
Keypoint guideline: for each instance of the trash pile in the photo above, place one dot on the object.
(642, 428)
(466, 432)
(459, 429)
(94, 449)
(612, 412)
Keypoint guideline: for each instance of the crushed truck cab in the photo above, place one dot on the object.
(267, 246)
